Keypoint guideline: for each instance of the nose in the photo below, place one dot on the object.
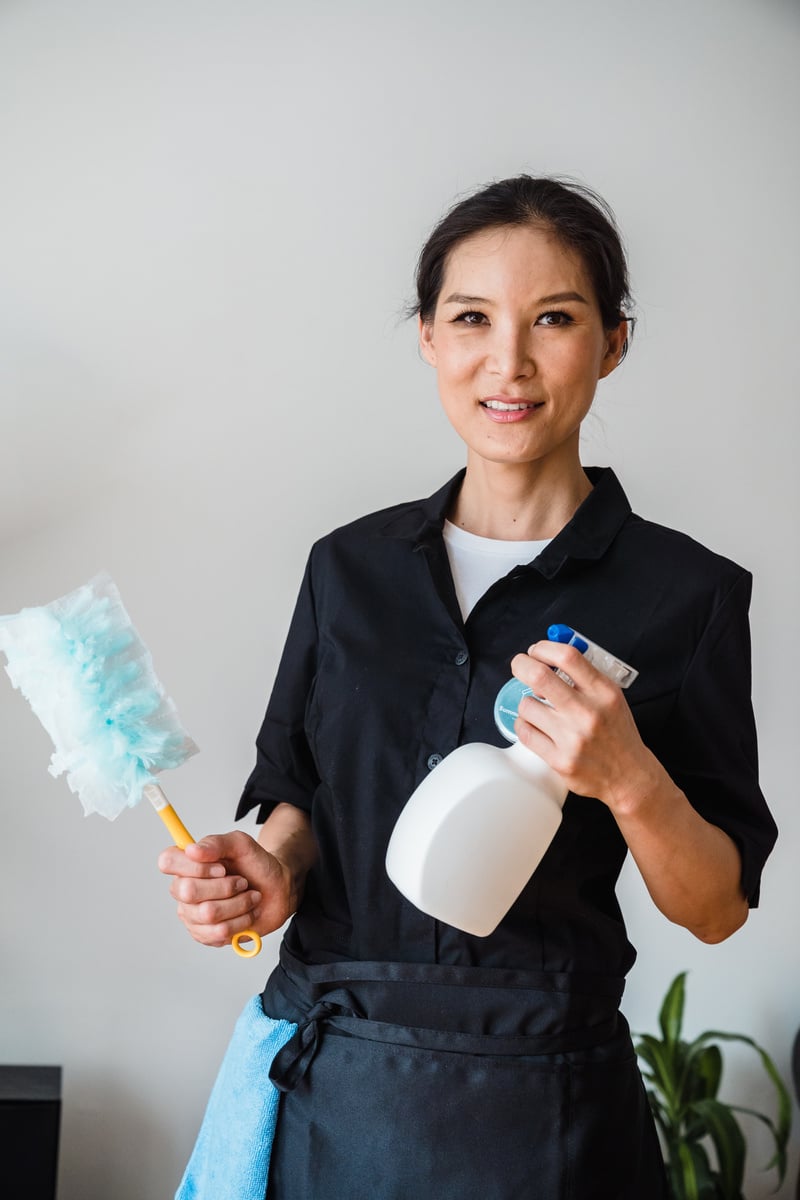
(511, 353)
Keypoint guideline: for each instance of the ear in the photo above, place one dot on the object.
(615, 341)
(426, 346)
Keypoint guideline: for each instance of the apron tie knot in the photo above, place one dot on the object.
(293, 1060)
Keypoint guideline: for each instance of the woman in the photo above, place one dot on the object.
(431, 1062)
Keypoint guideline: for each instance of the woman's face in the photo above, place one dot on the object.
(518, 345)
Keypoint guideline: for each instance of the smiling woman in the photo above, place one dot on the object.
(516, 374)
(428, 1061)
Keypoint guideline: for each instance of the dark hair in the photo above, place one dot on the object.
(578, 217)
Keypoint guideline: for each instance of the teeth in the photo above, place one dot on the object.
(501, 407)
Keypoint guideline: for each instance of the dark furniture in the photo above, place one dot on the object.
(30, 1111)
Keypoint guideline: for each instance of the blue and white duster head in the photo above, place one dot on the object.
(89, 678)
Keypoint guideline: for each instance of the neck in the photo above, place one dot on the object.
(518, 501)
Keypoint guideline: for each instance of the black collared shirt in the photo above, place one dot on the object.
(381, 678)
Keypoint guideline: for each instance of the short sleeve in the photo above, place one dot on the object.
(710, 746)
(285, 771)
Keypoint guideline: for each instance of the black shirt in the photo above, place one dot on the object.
(381, 677)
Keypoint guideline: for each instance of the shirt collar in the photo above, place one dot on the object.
(587, 535)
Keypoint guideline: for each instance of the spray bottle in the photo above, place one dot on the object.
(476, 828)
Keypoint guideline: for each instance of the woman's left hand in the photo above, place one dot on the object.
(586, 733)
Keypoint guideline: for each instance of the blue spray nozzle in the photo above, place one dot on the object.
(568, 637)
(560, 633)
(613, 668)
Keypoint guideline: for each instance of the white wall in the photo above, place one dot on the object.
(209, 215)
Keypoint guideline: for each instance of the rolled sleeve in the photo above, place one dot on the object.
(710, 740)
(285, 772)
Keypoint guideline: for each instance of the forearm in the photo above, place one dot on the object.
(288, 837)
(691, 868)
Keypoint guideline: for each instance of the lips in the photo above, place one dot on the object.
(508, 405)
(504, 409)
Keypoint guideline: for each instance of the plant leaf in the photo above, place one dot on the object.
(657, 1057)
(693, 1179)
(699, 1070)
(694, 1129)
(671, 1016)
(728, 1139)
(778, 1159)
(707, 1067)
(784, 1120)
(683, 1081)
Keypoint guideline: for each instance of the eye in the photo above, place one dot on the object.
(554, 319)
(469, 317)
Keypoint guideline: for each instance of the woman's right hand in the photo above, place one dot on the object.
(227, 883)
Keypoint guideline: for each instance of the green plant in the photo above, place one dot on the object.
(682, 1080)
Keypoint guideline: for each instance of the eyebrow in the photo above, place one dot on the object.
(561, 297)
(556, 298)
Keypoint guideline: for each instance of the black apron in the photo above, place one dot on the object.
(413, 1081)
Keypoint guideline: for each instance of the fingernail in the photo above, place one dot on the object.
(217, 871)
(241, 885)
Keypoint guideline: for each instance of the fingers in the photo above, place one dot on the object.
(227, 883)
(538, 669)
(216, 846)
(178, 862)
(585, 732)
(545, 686)
(188, 890)
(221, 934)
(214, 910)
(220, 911)
(556, 728)
(212, 904)
(212, 857)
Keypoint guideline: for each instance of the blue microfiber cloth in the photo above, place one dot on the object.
(230, 1160)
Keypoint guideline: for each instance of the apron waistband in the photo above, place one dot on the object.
(317, 976)
(482, 1011)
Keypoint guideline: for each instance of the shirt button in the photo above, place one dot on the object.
(461, 658)
(434, 761)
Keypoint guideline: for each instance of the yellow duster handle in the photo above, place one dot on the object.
(182, 838)
(177, 830)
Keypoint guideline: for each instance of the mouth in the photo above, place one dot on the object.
(505, 409)
(509, 405)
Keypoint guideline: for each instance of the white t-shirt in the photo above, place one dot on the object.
(478, 562)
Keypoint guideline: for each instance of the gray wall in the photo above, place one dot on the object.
(209, 215)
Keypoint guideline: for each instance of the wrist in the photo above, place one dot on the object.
(287, 837)
(641, 791)
(293, 876)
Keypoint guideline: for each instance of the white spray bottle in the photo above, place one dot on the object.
(476, 828)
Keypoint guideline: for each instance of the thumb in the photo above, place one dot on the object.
(216, 846)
